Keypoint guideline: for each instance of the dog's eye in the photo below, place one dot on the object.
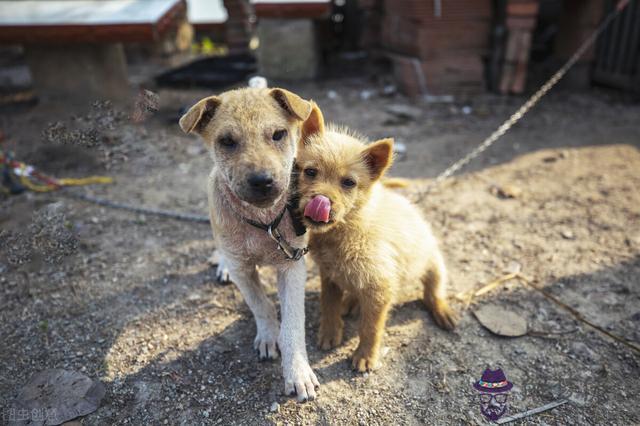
(227, 142)
(279, 134)
(348, 183)
(311, 172)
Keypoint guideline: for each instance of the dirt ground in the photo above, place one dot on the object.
(131, 300)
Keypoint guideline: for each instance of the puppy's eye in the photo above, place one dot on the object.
(348, 183)
(227, 142)
(279, 134)
(311, 172)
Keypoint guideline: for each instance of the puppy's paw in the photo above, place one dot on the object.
(329, 336)
(444, 316)
(364, 360)
(300, 380)
(223, 276)
(266, 340)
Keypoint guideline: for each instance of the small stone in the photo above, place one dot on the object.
(366, 94)
(513, 268)
(567, 234)
(505, 191)
(258, 82)
(399, 149)
(275, 408)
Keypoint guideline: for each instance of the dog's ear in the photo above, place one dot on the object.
(313, 125)
(378, 156)
(293, 104)
(199, 115)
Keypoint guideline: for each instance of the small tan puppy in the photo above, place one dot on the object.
(252, 135)
(366, 239)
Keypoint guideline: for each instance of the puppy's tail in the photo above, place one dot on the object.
(396, 183)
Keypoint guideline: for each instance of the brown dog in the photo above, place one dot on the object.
(252, 135)
(366, 239)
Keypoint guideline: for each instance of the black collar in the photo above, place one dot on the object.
(290, 252)
(265, 227)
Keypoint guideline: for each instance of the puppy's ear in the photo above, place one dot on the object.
(293, 104)
(199, 115)
(378, 156)
(313, 125)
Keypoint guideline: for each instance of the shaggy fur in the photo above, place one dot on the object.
(254, 132)
(375, 239)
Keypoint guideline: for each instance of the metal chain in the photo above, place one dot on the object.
(188, 217)
(530, 103)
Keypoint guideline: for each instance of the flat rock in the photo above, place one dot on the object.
(500, 321)
(55, 396)
(404, 111)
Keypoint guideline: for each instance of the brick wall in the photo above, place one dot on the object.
(521, 17)
(239, 27)
(432, 54)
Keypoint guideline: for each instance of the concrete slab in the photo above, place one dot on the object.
(288, 49)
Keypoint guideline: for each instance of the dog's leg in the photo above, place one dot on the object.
(299, 378)
(435, 293)
(374, 306)
(331, 324)
(247, 279)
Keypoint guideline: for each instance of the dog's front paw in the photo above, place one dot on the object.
(223, 276)
(329, 335)
(300, 380)
(443, 315)
(266, 340)
(364, 360)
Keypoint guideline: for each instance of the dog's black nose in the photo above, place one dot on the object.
(261, 182)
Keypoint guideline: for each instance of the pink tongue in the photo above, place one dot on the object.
(318, 209)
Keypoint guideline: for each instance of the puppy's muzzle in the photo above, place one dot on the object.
(261, 188)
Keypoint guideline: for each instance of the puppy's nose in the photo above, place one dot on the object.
(260, 182)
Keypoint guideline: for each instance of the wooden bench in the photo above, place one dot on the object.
(288, 47)
(74, 48)
(207, 16)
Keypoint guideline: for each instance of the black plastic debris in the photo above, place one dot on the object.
(215, 72)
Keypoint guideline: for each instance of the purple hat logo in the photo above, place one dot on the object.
(493, 388)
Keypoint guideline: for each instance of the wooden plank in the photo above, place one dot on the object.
(207, 12)
(292, 9)
(130, 21)
(83, 12)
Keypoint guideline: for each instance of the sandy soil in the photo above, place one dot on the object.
(130, 299)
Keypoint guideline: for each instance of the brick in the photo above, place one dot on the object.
(409, 75)
(523, 23)
(409, 37)
(523, 9)
(369, 4)
(450, 10)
